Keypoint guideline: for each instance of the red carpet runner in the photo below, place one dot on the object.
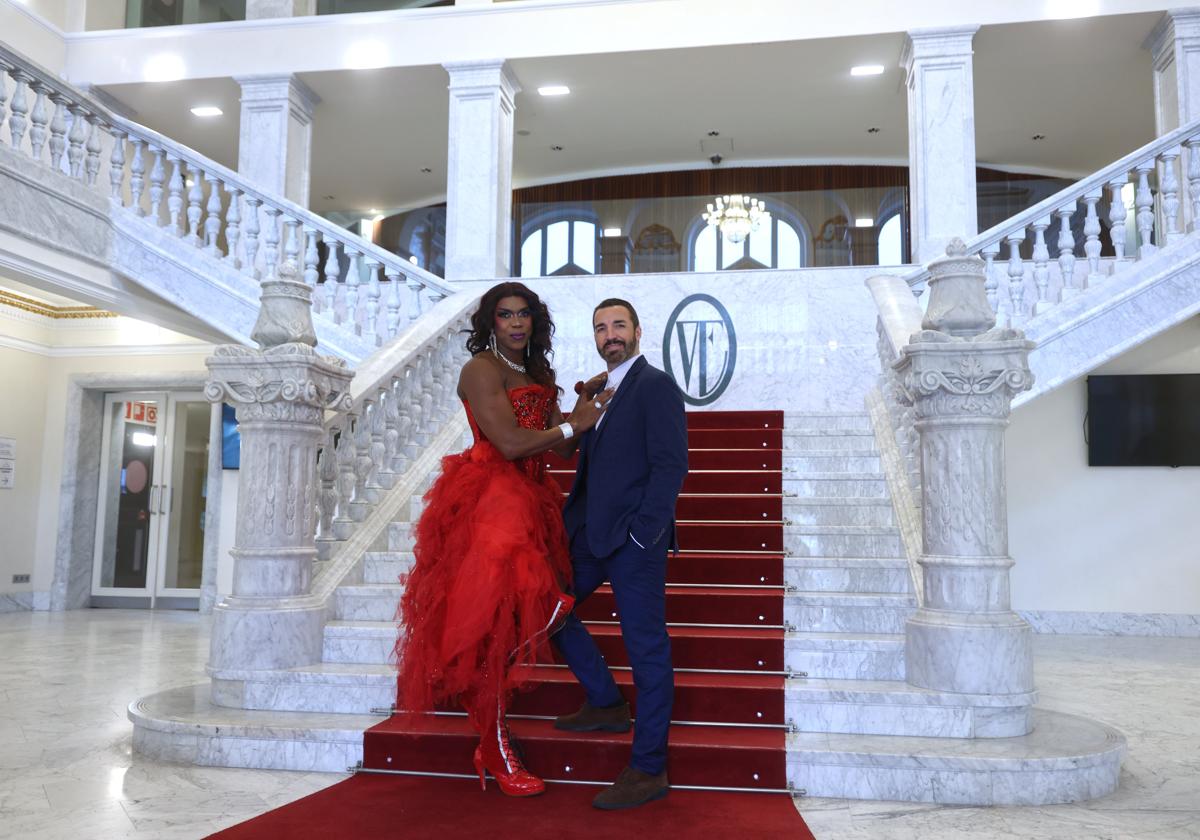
(725, 616)
(375, 807)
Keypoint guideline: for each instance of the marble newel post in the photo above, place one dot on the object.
(479, 170)
(940, 80)
(275, 134)
(961, 375)
(281, 392)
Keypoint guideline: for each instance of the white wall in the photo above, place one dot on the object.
(34, 34)
(1103, 539)
(22, 414)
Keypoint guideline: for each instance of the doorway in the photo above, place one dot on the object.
(150, 516)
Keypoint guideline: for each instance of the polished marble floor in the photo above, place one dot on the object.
(67, 771)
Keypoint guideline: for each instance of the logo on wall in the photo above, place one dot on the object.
(700, 348)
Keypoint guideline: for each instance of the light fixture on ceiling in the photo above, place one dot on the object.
(864, 222)
(867, 70)
(612, 231)
(207, 111)
(554, 90)
(736, 216)
(164, 67)
(413, 259)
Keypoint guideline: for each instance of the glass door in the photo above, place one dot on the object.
(150, 516)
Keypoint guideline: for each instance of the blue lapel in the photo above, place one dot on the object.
(626, 384)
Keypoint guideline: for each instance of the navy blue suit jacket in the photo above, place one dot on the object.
(632, 468)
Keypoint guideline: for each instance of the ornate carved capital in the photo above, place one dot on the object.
(945, 376)
(286, 382)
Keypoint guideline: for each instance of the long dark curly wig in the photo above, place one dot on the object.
(538, 351)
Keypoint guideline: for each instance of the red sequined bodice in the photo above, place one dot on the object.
(532, 406)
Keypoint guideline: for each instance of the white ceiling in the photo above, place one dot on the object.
(1084, 84)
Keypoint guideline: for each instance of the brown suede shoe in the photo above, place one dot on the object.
(631, 789)
(591, 719)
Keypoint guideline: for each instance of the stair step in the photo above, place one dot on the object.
(829, 440)
(367, 602)
(848, 574)
(851, 510)
(835, 485)
(829, 461)
(734, 420)
(749, 606)
(820, 421)
(707, 481)
(742, 507)
(724, 536)
(842, 541)
(851, 656)
(857, 612)
(725, 568)
(731, 457)
(386, 566)
(709, 756)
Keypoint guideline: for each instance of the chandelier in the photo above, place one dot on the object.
(737, 216)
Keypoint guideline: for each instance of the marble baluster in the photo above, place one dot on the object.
(250, 229)
(37, 121)
(352, 283)
(137, 172)
(271, 242)
(58, 131)
(194, 197)
(291, 241)
(391, 431)
(962, 377)
(312, 271)
(427, 397)
(1091, 233)
(212, 217)
(1016, 276)
(343, 522)
(157, 181)
(371, 322)
(175, 190)
(1168, 185)
(415, 287)
(5, 69)
(75, 140)
(92, 148)
(332, 270)
(405, 446)
(1143, 202)
(233, 226)
(394, 303)
(1117, 214)
(328, 496)
(381, 478)
(116, 166)
(1193, 180)
(990, 253)
(364, 496)
(1066, 251)
(1041, 265)
(18, 108)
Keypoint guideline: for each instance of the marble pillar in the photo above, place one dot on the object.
(479, 170)
(260, 9)
(1175, 47)
(281, 392)
(275, 135)
(941, 137)
(961, 374)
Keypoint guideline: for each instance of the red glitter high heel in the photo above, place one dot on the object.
(495, 755)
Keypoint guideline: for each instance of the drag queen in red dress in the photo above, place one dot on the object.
(492, 569)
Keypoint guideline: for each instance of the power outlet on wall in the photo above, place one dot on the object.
(20, 578)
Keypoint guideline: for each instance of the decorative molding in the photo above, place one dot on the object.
(14, 343)
(48, 310)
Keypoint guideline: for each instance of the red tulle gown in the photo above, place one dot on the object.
(491, 565)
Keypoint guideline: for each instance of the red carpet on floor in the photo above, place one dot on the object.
(368, 807)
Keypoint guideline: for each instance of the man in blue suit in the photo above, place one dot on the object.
(620, 518)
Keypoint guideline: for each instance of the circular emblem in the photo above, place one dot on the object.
(700, 348)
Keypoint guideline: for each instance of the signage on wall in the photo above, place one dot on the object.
(140, 412)
(700, 348)
(8, 463)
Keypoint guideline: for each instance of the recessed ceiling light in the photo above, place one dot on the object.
(207, 111)
(554, 90)
(864, 222)
(867, 70)
(413, 259)
(612, 231)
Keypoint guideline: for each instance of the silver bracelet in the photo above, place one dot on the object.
(567, 429)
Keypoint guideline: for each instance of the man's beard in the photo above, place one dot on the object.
(628, 351)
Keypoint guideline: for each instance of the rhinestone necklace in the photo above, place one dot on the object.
(518, 368)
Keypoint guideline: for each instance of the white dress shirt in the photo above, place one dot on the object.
(615, 377)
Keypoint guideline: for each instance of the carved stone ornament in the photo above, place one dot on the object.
(287, 382)
(285, 316)
(943, 375)
(958, 303)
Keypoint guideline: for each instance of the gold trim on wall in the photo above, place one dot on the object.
(47, 310)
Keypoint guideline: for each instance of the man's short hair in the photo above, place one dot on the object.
(607, 302)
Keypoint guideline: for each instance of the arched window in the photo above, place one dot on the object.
(891, 242)
(565, 246)
(778, 244)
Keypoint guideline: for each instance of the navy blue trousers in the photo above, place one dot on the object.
(639, 581)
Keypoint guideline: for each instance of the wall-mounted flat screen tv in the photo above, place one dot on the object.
(1150, 420)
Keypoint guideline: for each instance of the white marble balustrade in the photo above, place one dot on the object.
(355, 283)
(1053, 251)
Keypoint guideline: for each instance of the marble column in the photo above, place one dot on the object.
(961, 374)
(259, 9)
(941, 137)
(275, 135)
(1175, 47)
(479, 170)
(281, 392)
